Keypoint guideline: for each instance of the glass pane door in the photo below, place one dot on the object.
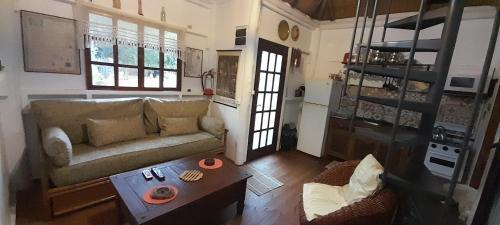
(268, 93)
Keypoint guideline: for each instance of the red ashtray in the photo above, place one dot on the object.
(147, 195)
(217, 164)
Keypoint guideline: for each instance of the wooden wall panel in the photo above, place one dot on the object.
(489, 138)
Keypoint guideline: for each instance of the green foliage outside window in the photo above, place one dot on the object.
(127, 55)
(170, 61)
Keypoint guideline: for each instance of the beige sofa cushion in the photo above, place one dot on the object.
(171, 126)
(213, 125)
(91, 162)
(57, 146)
(106, 131)
(72, 115)
(155, 108)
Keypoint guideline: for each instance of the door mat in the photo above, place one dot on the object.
(261, 183)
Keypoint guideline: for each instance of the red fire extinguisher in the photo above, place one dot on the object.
(207, 77)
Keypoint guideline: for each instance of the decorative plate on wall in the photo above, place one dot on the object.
(283, 30)
(295, 33)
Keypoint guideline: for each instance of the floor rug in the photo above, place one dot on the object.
(261, 183)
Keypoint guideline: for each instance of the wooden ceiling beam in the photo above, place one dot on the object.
(338, 9)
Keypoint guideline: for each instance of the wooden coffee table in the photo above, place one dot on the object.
(217, 189)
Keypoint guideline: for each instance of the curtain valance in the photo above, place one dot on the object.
(99, 25)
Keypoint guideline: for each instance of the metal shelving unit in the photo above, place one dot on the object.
(417, 180)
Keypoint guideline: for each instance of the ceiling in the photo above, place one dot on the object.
(337, 9)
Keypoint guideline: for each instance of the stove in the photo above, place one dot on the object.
(442, 156)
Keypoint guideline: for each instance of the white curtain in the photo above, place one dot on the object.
(102, 32)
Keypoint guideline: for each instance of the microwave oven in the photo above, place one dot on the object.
(462, 83)
(464, 78)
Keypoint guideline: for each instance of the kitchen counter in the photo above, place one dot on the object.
(453, 109)
(344, 145)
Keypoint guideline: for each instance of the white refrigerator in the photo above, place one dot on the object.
(322, 97)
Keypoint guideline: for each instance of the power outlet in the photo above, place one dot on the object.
(188, 90)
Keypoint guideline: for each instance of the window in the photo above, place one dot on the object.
(123, 64)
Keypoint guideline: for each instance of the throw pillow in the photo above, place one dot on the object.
(213, 126)
(171, 126)
(57, 145)
(364, 181)
(107, 131)
(157, 108)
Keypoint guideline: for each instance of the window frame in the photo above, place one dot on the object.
(140, 63)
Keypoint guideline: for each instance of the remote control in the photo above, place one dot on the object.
(157, 173)
(147, 174)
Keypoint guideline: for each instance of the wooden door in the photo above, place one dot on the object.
(267, 98)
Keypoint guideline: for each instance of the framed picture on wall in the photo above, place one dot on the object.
(49, 44)
(227, 72)
(194, 62)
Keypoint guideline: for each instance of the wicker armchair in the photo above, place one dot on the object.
(377, 209)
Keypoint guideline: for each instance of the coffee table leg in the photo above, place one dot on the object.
(240, 205)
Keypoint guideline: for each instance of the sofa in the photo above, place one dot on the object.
(86, 141)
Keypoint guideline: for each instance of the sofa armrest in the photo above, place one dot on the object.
(57, 146)
(34, 148)
(213, 126)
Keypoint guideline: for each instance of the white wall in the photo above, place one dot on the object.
(470, 48)
(11, 130)
(229, 15)
(270, 18)
(261, 19)
(178, 12)
(4, 182)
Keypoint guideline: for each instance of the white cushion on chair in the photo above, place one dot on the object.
(323, 199)
(364, 181)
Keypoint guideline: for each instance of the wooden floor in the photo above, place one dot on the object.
(276, 207)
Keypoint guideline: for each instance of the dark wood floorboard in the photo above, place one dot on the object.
(276, 207)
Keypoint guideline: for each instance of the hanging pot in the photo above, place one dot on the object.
(396, 58)
(377, 57)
